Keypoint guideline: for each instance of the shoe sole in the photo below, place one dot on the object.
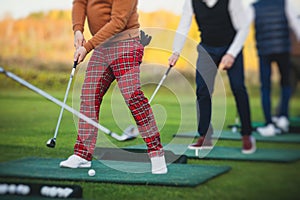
(265, 135)
(282, 130)
(162, 171)
(251, 151)
(200, 148)
(87, 165)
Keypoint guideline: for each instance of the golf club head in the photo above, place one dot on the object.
(2, 70)
(131, 131)
(51, 143)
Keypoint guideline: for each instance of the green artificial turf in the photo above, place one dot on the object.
(27, 121)
(112, 172)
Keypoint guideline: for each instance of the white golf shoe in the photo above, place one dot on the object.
(75, 161)
(268, 131)
(275, 119)
(159, 165)
(283, 123)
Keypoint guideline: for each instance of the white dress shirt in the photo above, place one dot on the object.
(239, 14)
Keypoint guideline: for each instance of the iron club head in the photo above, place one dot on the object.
(51, 143)
(1, 70)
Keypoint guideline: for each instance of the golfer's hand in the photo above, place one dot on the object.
(226, 62)
(173, 59)
(78, 39)
(80, 54)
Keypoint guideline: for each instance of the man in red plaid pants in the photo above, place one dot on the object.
(117, 56)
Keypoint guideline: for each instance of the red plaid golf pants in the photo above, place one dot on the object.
(120, 61)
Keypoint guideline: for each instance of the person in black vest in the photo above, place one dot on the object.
(273, 20)
(224, 26)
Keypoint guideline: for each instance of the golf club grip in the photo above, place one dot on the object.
(73, 69)
(169, 69)
(75, 64)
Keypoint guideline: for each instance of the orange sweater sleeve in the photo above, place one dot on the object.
(79, 14)
(120, 13)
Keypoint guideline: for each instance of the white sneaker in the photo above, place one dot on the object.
(283, 123)
(275, 119)
(159, 165)
(268, 130)
(75, 161)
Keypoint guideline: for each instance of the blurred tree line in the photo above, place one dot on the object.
(49, 37)
(44, 41)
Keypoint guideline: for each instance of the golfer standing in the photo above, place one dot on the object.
(273, 45)
(117, 56)
(224, 26)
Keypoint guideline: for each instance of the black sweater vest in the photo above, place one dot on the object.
(214, 23)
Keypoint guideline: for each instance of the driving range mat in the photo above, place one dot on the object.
(294, 126)
(112, 172)
(117, 154)
(231, 153)
(229, 135)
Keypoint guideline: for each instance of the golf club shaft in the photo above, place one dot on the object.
(65, 99)
(58, 102)
(160, 83)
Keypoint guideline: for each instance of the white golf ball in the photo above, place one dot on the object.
(234, 129)
(91, 172)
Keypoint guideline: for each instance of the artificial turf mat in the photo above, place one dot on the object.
(229, 135)
(294, 126)
(117, 154)
(178, 174)
(232, 153)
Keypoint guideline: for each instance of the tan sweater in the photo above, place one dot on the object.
(106, 18)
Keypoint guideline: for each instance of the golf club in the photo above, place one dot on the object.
(131, 131)
(64, 106)
(51, 142)
(235, 126)
(160, 83)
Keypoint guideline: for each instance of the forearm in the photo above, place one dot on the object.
(238, 42)
(241, 18)
(79, 14)
(183, 27)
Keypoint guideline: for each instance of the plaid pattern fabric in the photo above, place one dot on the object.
(120, 61)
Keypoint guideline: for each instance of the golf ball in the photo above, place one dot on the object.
(91, 172)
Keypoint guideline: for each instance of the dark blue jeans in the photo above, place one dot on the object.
(283, 63)
(207, 63)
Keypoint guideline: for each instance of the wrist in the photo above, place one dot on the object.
(232, 56)
(77, 32)
(176, 53)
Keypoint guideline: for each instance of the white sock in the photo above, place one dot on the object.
(159, 165)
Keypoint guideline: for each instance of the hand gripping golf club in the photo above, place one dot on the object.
(131, 131)
(61, 104)
(51, 142)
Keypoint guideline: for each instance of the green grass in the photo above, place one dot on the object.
(27, 121)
